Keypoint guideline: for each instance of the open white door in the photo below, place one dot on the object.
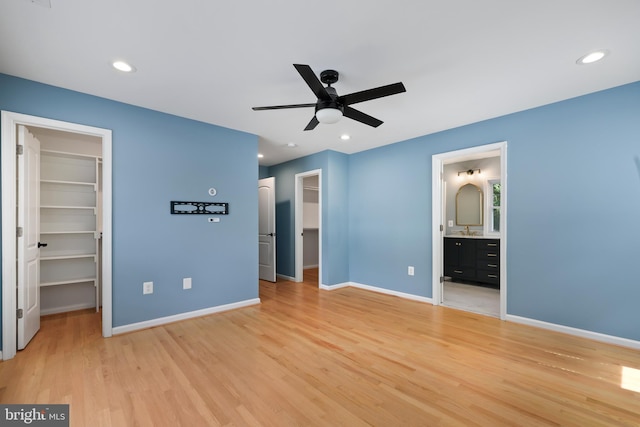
(28, 276)
(267, 229)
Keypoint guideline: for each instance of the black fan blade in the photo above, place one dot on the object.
(312, 81)
(369, 94)
(281, 107)
(361, 117)
(312, 124)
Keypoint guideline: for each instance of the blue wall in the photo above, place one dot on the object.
(573, 210)
(158, 158)
(335, 261)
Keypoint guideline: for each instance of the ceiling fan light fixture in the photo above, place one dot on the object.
(329, 115)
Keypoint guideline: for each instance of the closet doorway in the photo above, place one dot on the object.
(308, 226)
(70, 221)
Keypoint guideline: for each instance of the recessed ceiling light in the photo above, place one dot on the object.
(592, 57)
(260, 155)
(123, 66)
(292, 144)
(345, 137)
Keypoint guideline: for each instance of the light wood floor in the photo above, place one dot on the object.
(306, 357)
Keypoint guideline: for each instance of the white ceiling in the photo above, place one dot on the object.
(461, 61)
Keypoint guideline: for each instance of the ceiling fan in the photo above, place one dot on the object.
(330, 107)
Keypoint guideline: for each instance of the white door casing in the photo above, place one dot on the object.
(8, 132)
(299, 224)
(28, 270)
(437, 160)
(267, 229)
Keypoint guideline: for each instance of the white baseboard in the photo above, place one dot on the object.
(334, 287)
(75, 307)
(379, 290)
(289, 278)
(596, 336)
(310, 266)
(183, 316)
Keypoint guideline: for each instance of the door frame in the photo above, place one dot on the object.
(272, 216)
(299, 225)
(10, 121)
(437, 203)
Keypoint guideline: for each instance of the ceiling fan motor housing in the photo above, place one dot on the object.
(330, 103)
(329, 76)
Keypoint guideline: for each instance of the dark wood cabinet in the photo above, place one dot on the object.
(472, 259)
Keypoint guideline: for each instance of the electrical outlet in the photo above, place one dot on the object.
(147, 288)
(186, 283)
(450, 223)
(410, 270)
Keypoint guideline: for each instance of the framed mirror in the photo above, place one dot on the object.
(469, 205)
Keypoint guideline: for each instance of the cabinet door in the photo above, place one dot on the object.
(460, 258)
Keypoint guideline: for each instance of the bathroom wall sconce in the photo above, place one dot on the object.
(469, 172)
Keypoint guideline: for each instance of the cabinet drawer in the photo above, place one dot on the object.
(489, 265)
(488, 276)
(489, 254)
(460, 272)
(489, 244)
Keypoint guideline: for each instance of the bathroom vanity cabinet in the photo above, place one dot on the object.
(472, 259)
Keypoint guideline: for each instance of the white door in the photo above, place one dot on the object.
(267, 229)
(28, 198)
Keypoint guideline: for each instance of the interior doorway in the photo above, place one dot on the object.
(267, 229)
(76, 193)
(471, 287)
(308, 226)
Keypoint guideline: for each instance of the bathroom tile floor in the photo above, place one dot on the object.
(478, 299)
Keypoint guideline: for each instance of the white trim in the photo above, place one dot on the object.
(596, 336)
(336, 286)
(402, 295)
(289, 278)
(183, 316)
(74, 307)
(9, 122)
(299, 226)
(437, 161)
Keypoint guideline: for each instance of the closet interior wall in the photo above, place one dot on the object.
(70, 220)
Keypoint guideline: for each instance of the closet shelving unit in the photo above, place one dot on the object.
(68, 219)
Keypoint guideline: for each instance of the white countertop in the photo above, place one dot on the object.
(464, 236)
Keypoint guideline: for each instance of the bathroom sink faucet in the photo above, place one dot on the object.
(466, 230)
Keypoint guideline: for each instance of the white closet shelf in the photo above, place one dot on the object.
(71, 232)
(68, 207)
(58, 257)
(70, 281)
(56, 181)
(70, 155)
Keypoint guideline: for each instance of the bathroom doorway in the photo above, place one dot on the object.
(469, 255)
